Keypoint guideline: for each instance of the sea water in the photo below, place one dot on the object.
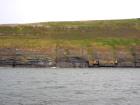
(96, 86)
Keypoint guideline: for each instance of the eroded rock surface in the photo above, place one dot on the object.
(71, 57)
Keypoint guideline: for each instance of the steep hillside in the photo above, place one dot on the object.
(102, 32)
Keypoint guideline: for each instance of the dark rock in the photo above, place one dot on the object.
(126, 64)
(72, 62)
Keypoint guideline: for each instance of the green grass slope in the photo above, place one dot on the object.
(76, 33)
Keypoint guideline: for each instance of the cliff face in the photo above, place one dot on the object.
(73, 44)
(121, 57)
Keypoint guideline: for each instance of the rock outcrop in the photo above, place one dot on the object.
(71, 57)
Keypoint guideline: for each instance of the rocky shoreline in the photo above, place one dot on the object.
(67, 58)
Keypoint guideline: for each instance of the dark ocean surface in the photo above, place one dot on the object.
(96, 86)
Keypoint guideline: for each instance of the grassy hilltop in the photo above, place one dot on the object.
(111, 33)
